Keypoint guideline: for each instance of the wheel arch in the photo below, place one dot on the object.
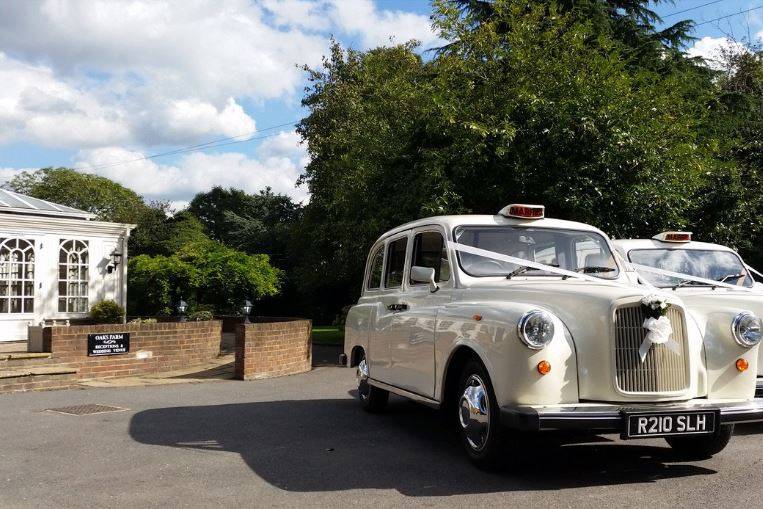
(356, 354)
(458, 359)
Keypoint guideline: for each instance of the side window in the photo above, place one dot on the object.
(374, 276)
(429, 251)
(588, 253)
(393, 277)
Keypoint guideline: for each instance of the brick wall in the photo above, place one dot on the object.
(154, 347)
(273, 348)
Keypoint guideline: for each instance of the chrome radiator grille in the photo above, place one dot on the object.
(663, 370)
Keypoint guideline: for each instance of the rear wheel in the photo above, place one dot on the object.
(478, 417)
(701, 447)
(372, 399)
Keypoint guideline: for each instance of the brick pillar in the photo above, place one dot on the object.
(270, 349)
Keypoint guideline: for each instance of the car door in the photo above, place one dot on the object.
(389, 303)
(412, 324)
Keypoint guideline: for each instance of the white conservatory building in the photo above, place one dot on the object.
(55, 262)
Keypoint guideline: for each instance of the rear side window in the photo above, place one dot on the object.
(395, 263)
(375, 275)
(429, 251)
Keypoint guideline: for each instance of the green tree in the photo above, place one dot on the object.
(535, 105)
(202, 273)
(254, 223)
(105, 198)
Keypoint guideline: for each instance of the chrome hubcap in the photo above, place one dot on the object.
(474, 413)
(362, 376)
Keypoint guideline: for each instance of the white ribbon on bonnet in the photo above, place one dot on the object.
(659, 331)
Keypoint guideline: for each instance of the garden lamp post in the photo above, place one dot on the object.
(246, 309)
(182, 308)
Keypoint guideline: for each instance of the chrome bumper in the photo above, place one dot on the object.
(609, 418)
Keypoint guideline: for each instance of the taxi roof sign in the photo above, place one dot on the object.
(523, 211)
(673, 237)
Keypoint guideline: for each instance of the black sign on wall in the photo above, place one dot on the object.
(112, 343)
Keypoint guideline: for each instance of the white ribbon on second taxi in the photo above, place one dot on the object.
(687, 277)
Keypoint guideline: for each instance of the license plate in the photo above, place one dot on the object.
(660, 424)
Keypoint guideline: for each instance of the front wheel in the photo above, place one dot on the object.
(372, 399)
(478, 417)
(701, 447)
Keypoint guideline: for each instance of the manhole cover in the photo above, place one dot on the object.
(86, 409)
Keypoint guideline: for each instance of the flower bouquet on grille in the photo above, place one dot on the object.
(657, 325)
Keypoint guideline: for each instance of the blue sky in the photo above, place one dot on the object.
(103, 83)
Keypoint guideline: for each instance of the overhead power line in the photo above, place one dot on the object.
(691, 9)
(729, 16)
(221, 142)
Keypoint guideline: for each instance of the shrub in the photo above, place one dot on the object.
(107, 311)
(200, 316)
(143, 320)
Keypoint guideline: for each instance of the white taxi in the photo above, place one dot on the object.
(708, 278)
(515, 322)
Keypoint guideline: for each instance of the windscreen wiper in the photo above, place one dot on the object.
(687, 282)
(730, 276)
(522, 270)
(594, 269)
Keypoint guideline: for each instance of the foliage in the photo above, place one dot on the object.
(107, 311)
(161, 234)
(201, 316)
(254, 223)
(143, 320)
(200, 272)
(156, 284)
(536, 104)
(106, 199)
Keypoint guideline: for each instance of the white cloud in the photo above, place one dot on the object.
(143, 73)
(278, 164)
(711, 49)
(298, 13)
(36, 106)
(7, 174)
(375, 27)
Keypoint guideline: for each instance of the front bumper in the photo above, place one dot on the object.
(759, 387)
(609, 417)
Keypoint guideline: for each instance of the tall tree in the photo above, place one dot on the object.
(103, 197)
(537, 104)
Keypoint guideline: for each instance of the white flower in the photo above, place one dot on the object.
(655, 301)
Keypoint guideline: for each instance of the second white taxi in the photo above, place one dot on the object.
(514, 322)
(708, 277)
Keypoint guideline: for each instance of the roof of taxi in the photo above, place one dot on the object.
(630, 244)
(450, 222)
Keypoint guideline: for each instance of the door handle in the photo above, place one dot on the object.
(401, 306)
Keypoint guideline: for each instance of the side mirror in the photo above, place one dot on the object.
(424, 275)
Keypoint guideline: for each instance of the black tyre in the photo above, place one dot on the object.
(478, 418)
(701, 447)
(372, 399)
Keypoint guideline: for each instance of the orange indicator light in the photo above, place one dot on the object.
(742, 365)
(477, 317)
(544, 367)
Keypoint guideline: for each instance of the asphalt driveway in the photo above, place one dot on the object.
(303, 441)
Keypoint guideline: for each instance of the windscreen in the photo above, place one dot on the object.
(584, 252)
(710, 264)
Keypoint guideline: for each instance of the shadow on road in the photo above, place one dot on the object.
(331, 445)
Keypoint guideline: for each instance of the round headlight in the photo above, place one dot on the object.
(747, 329)
(536, 329)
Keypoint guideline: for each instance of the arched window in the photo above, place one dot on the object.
(73, 276)
(16, 276)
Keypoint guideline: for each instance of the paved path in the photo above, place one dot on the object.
(302, 441)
